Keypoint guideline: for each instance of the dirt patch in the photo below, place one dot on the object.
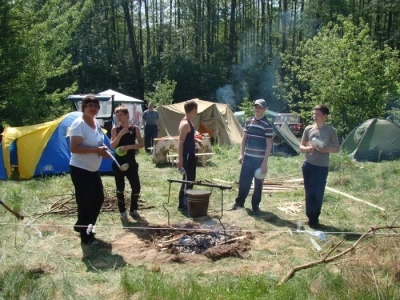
(184, 243)
(234, 250)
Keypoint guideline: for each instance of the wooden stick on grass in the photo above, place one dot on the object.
(328, 259)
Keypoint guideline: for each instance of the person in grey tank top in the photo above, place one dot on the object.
(318, 141)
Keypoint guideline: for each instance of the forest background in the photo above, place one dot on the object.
(293, 53)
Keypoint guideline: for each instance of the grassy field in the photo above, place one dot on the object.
(41, 256)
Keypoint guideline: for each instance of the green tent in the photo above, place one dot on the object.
(287, 136)
(374, 140)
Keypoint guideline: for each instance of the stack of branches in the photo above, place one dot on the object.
(280, 184)
(66, 204)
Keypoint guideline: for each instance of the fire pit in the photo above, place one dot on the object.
(210, 242)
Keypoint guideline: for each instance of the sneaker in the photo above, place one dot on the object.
(124, 216)
(236, 207)
(135, 214)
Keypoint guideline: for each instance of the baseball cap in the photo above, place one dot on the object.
(260, 102)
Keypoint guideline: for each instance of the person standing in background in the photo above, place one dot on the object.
(127, 137)
(316, 163)
(87, 149)
(151, 125)
(255, 150)
(187, 150)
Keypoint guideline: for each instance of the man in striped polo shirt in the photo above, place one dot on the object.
(254, 153)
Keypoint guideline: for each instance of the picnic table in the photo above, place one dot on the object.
(165, 149)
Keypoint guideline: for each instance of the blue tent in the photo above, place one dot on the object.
(55, 157)
(42, 149)
(3, 174)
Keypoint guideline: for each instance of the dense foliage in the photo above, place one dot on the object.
(342, 67)
(218, 50)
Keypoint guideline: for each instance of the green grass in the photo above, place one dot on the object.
(55, 266)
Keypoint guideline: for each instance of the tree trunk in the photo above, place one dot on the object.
(132, 44)
(148, 43)
(231, 41)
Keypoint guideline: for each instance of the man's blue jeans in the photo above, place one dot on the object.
(314, 186)
(249, 166)
(150, 133)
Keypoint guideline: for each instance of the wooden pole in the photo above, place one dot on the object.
(353, 198)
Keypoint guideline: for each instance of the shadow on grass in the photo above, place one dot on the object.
(144, 230)
(100, 257)
(346, 233)
(169, 165)
(273, 219)
(270, 217)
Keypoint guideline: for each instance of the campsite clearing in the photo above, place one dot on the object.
(130, 263)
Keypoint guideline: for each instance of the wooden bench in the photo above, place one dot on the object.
(201, 155)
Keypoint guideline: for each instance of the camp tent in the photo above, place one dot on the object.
(214, 118)
(107, 105)
(240, 115)
(286, 135)
(134, 105)
(3, 174)
(373, 140)
(42, 149)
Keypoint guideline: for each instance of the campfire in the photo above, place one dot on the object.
(211, 242)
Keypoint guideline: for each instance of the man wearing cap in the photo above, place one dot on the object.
(254, 153)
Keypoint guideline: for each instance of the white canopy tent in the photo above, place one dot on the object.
(134, 105)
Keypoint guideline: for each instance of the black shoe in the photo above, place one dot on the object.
(183, 208)
(91, 243)
(256, 211)
(236, 207)
(311, 225)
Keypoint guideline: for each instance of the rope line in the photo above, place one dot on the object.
(290, 231)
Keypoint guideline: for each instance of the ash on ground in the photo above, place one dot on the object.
(212, 241)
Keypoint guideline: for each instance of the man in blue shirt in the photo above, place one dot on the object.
(255, 150)
(151, 125)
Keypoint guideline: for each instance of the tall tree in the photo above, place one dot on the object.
(231, 40)
(343, 68)
(133, 48)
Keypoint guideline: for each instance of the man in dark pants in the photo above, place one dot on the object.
(316, 163)
(151, 125)
(255, 150)
(187, 150)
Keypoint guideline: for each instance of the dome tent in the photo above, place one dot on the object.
(43, 149)
(374, 140)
